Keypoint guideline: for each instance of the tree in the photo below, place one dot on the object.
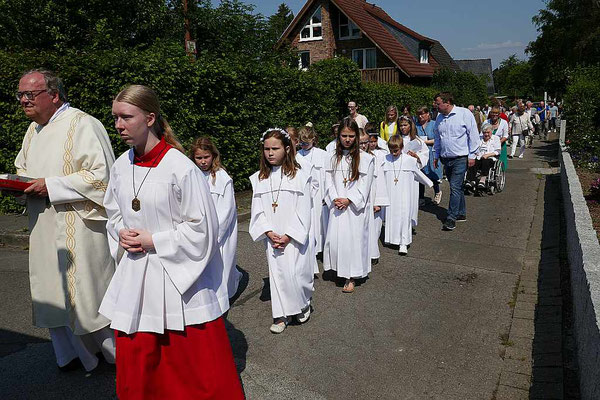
(569, 36)
(466, 87)
(279, 21)
(514, 78)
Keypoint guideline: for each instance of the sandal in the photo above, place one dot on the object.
(348, 286)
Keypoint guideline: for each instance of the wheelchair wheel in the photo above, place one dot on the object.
(500, 178)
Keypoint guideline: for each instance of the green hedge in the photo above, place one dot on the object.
(582, 112)
(231, 100)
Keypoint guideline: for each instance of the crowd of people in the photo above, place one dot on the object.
(145, 245)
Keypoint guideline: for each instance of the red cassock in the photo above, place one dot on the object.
(196, 363)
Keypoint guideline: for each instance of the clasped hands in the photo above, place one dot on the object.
(341, 203)
(136, 240)
(278, 241)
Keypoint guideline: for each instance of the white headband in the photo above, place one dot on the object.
(282, 131)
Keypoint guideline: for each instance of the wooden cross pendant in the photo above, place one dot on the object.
(345, 181)
(274, 205)
(395, 181)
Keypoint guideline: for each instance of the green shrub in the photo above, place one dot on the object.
(582, 112)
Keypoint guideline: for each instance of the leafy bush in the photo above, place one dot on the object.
(466, 87)
(582, 112)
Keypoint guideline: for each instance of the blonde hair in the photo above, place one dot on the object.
(146, 99)
(396, 142)
(307, 134)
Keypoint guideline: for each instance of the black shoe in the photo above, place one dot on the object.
(461, 218)
(468, 185)
(449, 225)
(481, 186)
(374, 261)
(414, 231)
(509, 156)
(73, 365)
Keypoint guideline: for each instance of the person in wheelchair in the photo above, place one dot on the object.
(487, 154)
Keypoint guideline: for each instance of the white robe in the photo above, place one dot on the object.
(379, 198)
(318, 159)
(70, 265)
(291, 268)
(223, 196)
(347, 243)
(308, 168)
(181, 282)
(331, 146)
(423, 157)
(398, 224)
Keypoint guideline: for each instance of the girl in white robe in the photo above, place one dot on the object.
(401, 171)
(207, 157)
(415, 147)
(166, 297)
(378, 190)
(281, 218)
(318, 159)
(348, 180)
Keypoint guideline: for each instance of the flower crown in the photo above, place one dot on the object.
(282, 131)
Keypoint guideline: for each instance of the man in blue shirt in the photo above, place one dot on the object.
(541, 109)
(455, 145)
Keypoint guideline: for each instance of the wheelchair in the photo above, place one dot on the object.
(494, 183)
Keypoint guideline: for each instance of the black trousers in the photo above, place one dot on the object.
(482, 165)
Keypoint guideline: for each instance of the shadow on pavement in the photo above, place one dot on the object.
(554, 372)
(12, 342)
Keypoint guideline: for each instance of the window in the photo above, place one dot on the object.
(365, 58)
(347, 28)
(312, 30)
(303, 60)
(424, 56)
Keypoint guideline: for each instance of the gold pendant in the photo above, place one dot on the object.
(345, 181)
(135, 204)
(274, 205)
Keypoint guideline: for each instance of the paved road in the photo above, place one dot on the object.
(425, 326)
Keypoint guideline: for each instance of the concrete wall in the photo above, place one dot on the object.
(584, 260)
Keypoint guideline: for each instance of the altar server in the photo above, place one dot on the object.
(167, 295)
(207, 157)
(401, 172)
(281, 218)
(348, 179)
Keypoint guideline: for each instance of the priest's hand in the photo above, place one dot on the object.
(145, 239)
(37, 188)
(129, 241)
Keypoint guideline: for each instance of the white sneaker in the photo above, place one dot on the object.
(279, 326)
(304, 315)
(403, 250)
(521, 156)
(437, 199)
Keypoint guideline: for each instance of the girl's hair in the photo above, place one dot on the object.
(396, 142)
(354, 150)
(293, 132)
(387, 110)
(146, 99)
(307, 134)
(204, 143)
(289, 165)
(366, 136)
(411, 123)
(371, 128)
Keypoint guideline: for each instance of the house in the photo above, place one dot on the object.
(385, 50)
(480, 67)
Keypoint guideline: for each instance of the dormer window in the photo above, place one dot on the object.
(348, 30)
(424, 56)
(313, 30)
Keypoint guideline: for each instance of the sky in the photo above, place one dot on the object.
(467, 29)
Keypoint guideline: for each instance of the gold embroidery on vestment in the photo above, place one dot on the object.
(68, 156)
(71, 266)
(97, 184)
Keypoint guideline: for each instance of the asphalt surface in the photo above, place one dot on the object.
(424, 326)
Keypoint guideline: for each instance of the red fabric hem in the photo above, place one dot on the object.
(194, 364)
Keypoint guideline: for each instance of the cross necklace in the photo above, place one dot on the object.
(275, 199)
(346, 178)
(136, 205)
(396, 176)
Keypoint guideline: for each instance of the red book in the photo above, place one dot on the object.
(14, 182)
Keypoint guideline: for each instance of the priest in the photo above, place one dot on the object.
(68, 153)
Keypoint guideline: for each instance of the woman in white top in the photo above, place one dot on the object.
(167, 295)
(489, 149)
(208, 158)
(519, 126)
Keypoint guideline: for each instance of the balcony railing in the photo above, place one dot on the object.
(381, 75)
